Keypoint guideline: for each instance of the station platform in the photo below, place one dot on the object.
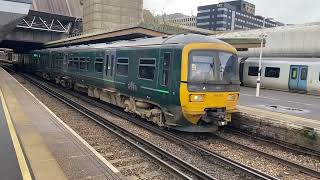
(289, 117)
(300, 105)
(36, 144)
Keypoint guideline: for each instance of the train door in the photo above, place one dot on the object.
(110, 63)
(65, 62)
(165, 74)
(298, 78)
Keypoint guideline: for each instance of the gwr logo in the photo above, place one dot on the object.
(132, 86)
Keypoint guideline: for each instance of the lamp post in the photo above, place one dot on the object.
(263, 36)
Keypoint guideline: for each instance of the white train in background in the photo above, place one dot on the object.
(8, 56)
(288, 74)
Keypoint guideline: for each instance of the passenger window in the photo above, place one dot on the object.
(272, 72)
(58, 63)
(73, 63)
(70, 62)
(84, 63)
(123, 67)
(253, 71)
(147, 68)
(76, 63)
(294, 73)
(166, 69)
(304, 74)
(98, 65)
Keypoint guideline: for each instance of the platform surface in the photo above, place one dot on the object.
(300, 105)
(9, 166)
(50, 148)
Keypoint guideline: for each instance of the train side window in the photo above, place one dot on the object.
(123, 66)
(75, 63)
(98, 65)
(304, 74)
(253, 71)
(147, 68)
(294, 73)
(166, 69)
(84, 64)
(319, 77)
(58, 62)
(272, 72)
(70, 63)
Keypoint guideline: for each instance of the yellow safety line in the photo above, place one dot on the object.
(20, 156)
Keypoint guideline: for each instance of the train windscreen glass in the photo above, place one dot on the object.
(211, 66)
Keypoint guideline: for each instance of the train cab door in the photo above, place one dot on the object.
(165, 75)
(298, 78)
(110, 65)
(65, 62)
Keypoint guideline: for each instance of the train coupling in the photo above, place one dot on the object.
(217, 116)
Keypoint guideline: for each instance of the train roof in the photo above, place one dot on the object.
(181, 39)
(282, 60)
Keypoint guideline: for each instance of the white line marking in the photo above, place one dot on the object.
(114, 169)
(25, 172)
(274, 99)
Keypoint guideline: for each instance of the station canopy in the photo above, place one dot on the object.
(149, 30)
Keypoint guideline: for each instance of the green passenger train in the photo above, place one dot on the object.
(185, 82)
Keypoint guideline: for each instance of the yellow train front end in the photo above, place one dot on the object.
(210, 86)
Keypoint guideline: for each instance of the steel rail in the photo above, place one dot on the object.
(116, 129)
(170, 136)
(301, 168)
(296, 148)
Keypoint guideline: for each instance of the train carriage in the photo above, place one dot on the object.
(286, 74)
(185, 82)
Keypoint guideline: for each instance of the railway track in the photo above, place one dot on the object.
(302, 168)
(181, 168)
(295, 148)
(186, 167)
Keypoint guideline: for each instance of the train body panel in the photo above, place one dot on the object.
(288, 74)
(152, 78)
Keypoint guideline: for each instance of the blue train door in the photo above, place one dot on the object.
(298, 78)
(302, 85)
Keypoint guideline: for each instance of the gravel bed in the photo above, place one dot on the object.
(131, 162)
(312, 162)
(250, 158)
(210, 166)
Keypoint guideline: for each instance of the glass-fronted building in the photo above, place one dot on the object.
(230, 16)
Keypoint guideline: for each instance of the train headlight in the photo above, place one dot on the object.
(196, 98)
(232, 97)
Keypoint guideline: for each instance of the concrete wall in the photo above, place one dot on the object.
(107, 15)
(300, 40)
(280, 127)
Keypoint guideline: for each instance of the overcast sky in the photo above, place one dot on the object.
(286, 11)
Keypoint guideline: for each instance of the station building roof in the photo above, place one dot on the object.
(146, 30)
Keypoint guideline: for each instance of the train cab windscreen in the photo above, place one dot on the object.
(212, 68)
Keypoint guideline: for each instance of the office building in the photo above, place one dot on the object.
(229, 16)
